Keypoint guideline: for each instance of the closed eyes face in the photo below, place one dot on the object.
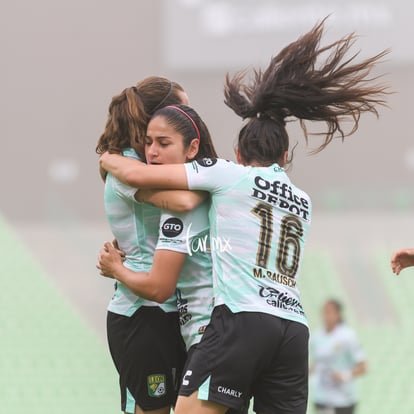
(163, 145)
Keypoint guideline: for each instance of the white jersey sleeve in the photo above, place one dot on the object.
(123, 190)
(177, 230)
(212, 174)
(189, 233)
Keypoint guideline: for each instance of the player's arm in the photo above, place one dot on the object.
(102, 173)
(158, 284)
(359, 369)
(179, 201)
(140, 175)
(402, 259)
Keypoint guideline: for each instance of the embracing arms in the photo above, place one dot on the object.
(140, 175)
(157, 285)
(180, 201)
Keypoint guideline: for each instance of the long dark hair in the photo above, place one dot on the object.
(130, 111)
(181, 118)
(294, 86)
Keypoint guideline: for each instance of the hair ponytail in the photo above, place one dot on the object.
(131, 110)
(126, 122)
(295, 85)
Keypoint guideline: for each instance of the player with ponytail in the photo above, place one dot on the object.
(143, 335)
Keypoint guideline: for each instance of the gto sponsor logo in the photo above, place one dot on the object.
(229, 391)
(172, 227)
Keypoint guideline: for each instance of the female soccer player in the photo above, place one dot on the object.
(257, 340)
(175, 134)
(143, 336)
(337, 359)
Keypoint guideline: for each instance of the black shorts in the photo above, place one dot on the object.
(250, 354)
(149, 354)
(243, 410)
(325, 409)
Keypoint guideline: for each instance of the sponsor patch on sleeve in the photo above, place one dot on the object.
(172, 227)
(207, 162)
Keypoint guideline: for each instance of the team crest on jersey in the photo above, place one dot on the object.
(156, 385)
(207, 162)
(172, 227)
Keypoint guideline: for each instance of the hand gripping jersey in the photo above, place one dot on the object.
(135, 226)
(189, 233)
(259, 223)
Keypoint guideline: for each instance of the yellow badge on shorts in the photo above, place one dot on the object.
(156, 385)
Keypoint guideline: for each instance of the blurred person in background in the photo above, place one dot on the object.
(337, 359)
(401, 259)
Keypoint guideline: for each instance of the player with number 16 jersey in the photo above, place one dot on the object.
(266, 244)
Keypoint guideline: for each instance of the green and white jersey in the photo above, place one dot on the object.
(135, 226)
(259, 223)
(189, 233)
(338, 351)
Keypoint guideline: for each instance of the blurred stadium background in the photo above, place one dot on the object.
(62, 63)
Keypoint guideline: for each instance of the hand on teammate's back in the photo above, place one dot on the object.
(401, 259)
